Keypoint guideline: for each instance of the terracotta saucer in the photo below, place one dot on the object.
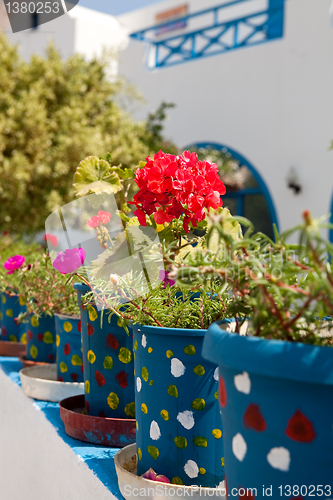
(113, 432)
(27, 363)
(12, 349)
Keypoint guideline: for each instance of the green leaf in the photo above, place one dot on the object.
(94, 176)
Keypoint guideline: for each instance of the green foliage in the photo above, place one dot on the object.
(53, 113)
(285, 289)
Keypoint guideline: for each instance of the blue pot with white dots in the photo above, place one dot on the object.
(69, 348)
(11, 307)
(108, 364)
(179, 431)
(41, 339)
(276, 402)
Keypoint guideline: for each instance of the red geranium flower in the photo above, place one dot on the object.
(101, 218)
(171, 186)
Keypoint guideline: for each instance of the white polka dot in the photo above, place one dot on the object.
(216, 374)
(191, 469)
(221, 485)
(155, 432)
(279, 458)
(177, 367)
(138, 384)
(239, 447)
(144, 340)
(186, 419)
(243, 383)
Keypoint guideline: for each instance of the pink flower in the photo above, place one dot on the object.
(69, 261)
(101, 218)
(51, 238)
(164, 277)
(14, 263)
(152, 476)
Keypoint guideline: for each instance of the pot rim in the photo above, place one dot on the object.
(163, 330)
(273, 358)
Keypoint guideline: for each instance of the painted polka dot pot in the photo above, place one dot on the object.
(69, 348)
(179, 431)
(10, 308)
(41, 339)
(108, 362)
(276, 403)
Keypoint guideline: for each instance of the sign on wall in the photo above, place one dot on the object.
(174, 15)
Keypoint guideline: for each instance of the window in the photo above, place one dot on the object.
(247, 194)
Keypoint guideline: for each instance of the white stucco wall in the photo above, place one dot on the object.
(272, 103)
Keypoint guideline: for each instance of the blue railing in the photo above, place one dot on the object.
(260, 27)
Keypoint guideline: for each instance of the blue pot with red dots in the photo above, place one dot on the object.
(11, 306)
(107, 352)
(69, 348)
(179, 429)
(276, 402)
(41, 339)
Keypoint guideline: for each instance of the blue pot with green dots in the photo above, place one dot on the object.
(179, 431)
(41, 339)
(108, 361)
(11, 307)
(69, 348)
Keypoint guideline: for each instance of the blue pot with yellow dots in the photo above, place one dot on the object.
(179, 431)
(41, 339)
(11, 307)
(69, 348)
(108, 361)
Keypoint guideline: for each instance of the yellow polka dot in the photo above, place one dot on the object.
(57, 340)
(92, 313)
(151, 382)
(139, 454)
(4, 300)
(180, 442)
(199, 370)
(125, 355)
(91, 357)
(76, 360)
(12, 338)
(145, 374)
(24, 338)
(68, 327)
(22, 301)
(137, 426)
(150, 350)
(173, 391)
(153, 452)
(198, 404)
(144, 408)
(9, 313)
(1, 315)
(216, 395)
(217, 433)
(34, 321)
(48, 338)
(190, 350)
(169, 354)
(202, 470)
(200, 441)
(136, 345)
(63, 367)
(177, 480)
(165, 414)
(33, 351)
(113, 401)
(130, 410)
(87, 386)
(108, 363)
(222, 462)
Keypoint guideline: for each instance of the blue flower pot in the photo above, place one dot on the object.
(276, 403)
(41, 339)
(11, 307)
(178, 421)
(107, 353)
(69, 348)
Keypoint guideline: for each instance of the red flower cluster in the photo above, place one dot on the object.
(101, 218)
(174, 185)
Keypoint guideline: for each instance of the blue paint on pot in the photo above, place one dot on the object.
(41, 339)
(11, 307)
(178, 421)
(277, 412)
(69, 348)
(108, 362)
